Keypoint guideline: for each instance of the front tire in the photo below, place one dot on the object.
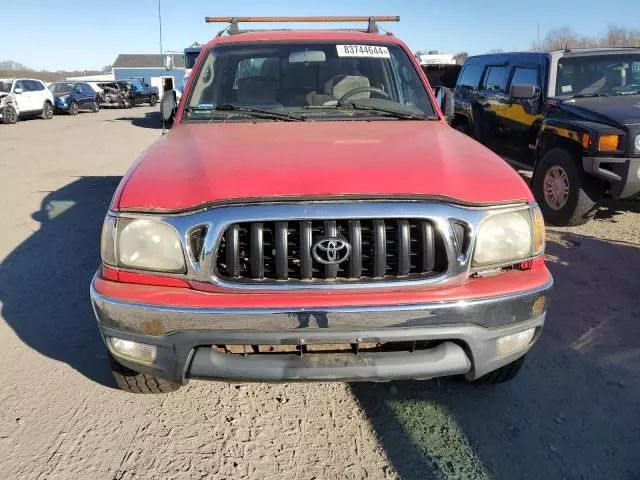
(503, 374)
(566, 194)
(10, 115)
(73, 108)
(153, 100)
(95, 106)
(135, 382)
(47, 110)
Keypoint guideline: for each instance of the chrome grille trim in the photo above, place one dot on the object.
(441, 215)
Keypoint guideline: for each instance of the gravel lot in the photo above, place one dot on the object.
(574, 412)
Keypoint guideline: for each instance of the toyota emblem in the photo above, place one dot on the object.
(331, 251)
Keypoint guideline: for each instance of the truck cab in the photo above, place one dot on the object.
(569, 115)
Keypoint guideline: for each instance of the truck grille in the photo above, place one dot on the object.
(380, 250)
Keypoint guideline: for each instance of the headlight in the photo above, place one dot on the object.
(637, 144)
(141, 244)
(509, 237)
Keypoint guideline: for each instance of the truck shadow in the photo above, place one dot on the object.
(44, 282)
(573, 412)
(150, 120)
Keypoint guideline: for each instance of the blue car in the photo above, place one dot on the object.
(71, 97)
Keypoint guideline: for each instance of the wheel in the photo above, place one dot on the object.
(73, 108)
(95, 106)
(566, 194)
(128, 103)
(153, 100)
(503, 374)
(47, 111)
(135, 382)
(10, 116)
(463, 127)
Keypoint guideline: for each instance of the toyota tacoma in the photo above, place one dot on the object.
(311, 216)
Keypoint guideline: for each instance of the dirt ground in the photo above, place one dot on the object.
(573, 413)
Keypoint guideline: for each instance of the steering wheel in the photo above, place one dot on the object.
(355, 91)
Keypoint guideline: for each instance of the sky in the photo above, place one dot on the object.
(81, 34)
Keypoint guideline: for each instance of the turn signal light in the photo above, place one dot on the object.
(608, 143)
(586, 140)
(135, 351)
(515, 342)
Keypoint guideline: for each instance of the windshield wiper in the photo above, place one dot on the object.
(588, 95)
(386, 111)
(254, 112)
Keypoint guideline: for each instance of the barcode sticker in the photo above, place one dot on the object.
(373, 51)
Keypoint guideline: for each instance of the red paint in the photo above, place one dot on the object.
(200, 163)
(503, 284)
(115, 275)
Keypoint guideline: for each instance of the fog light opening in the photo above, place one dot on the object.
(515, 342)
(135, 351)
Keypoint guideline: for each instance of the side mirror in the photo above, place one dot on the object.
(168, 106)
(446, 100)
(18, 91)
(523, 92)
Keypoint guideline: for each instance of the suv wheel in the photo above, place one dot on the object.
(73, 108)
(503, 374)
(9, 116)
(565, 193)
(47, 111)
(135, 382)
(95, 106)
(153, 100)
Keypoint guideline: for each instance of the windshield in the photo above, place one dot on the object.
(5, 86)
(309, 80)
(61, 87)
(598, 75)
(190, 59)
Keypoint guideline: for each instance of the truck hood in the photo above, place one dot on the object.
(616, 111)
(199, 164)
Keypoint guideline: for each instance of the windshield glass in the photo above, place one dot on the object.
(61, 87)
(598, 75)
(309, 79)
(5, 86)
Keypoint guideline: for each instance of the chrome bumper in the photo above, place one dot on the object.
(465, 333)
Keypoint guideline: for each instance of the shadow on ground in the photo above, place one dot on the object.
(572, 413)
(150, 120)
(44, 282)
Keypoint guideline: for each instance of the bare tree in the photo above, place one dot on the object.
(461, 57)
(565, 37)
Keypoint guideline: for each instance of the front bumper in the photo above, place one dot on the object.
(622, 173)
(461, 338)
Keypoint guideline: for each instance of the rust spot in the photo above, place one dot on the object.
(539, 305)
(152, 327)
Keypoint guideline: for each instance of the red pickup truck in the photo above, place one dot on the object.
(311, 216)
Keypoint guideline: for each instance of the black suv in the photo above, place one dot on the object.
(573, 116)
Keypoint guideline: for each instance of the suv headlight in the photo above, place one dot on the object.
(509, 237)
(141, 244)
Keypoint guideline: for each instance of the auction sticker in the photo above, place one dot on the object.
(373, 51)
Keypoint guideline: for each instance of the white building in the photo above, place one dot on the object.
(166, 72)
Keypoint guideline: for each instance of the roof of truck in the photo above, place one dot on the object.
(305, 35)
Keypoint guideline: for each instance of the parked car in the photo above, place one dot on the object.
(311, 216)
(142, 93)
(570, 115)
(24, 97)
(71, 97)
(116, 94)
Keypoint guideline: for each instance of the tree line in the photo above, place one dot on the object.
(566, 37)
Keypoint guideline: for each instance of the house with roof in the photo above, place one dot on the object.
(166, 71)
